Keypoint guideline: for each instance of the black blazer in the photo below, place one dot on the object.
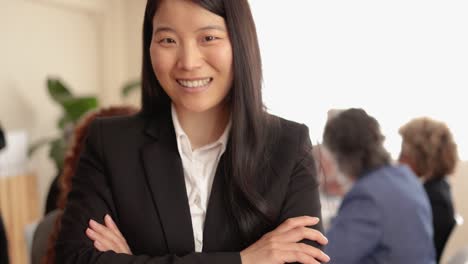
(443, 215)
(130, 168)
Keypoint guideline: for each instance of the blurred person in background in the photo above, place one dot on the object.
(333, 184)
(385, 217)
(46, 233)
(3, 237)
(428, 148)
(332, 181)
(2, 138)
(3, 243)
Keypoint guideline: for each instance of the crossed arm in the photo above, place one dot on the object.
(278, 246)
(91, 198)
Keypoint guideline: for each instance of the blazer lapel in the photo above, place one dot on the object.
(165, 177)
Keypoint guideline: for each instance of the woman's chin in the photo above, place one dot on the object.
(194, 107)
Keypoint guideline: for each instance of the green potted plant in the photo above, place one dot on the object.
(73, 108)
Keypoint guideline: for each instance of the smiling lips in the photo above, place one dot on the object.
(199, 83)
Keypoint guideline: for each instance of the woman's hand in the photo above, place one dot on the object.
(107, 237)
(282, 244)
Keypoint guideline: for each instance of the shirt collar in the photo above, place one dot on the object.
(180, 133)
(175, 121)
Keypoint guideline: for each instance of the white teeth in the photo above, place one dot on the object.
(194, 84)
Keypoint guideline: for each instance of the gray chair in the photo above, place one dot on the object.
(41, 236)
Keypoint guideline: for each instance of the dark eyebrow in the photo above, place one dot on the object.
(163, 29)
(211, 27)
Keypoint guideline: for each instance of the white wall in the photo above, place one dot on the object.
(40, 40)
(397, 59)
(134, 26)
(134, 41)
(94, 46)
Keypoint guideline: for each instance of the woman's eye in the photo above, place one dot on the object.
(209, 38)
(167, 41)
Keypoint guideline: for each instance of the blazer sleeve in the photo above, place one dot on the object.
(302, 196)
(91, 198)
(356, 230)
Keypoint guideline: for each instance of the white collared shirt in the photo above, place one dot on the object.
(199, 172)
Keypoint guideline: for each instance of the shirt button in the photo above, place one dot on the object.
(197, 199)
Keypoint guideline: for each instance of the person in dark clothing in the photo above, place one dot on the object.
(443, 213)
(202, 110)
(367, 228)
(3, 239)
(45, 236)
(429, 150)
(52, 195)
(2, 139)
(3, 244)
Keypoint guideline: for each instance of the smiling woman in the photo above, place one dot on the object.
(192, 59)
(203, 174)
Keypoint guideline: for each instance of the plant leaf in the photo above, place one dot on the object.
(64, 120)
(58, 147)
(130, 86)
(57, 90)
(76, 107)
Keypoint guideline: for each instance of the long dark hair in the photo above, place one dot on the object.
(246, 155)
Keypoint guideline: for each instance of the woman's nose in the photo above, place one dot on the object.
(190, 58)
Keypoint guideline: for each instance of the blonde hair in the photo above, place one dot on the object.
(430, 146)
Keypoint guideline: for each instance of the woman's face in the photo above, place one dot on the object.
(191, 55)
(405, 158)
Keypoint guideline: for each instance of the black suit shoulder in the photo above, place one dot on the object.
(443, 215)
(288, 126)
(119, 133)
(119, 125)
(438, 190)
(293, 185)
(285, 136)
(290, 144)
(289, 133)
